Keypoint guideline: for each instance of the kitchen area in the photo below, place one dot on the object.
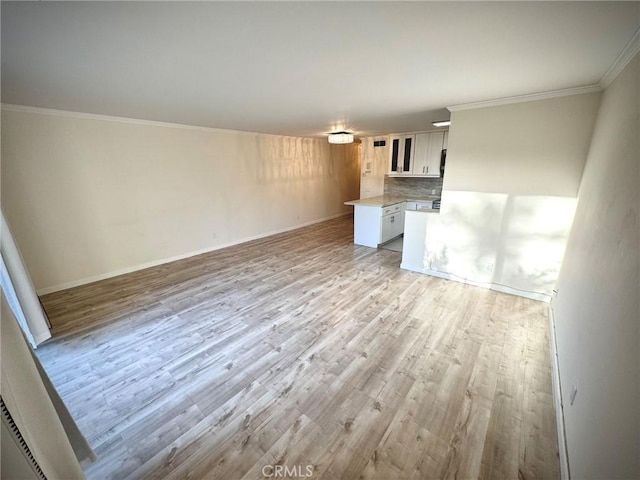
(400, 188)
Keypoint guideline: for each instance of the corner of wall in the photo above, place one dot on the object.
(557, 399)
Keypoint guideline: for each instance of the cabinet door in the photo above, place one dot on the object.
(434, 151)
(420, 154)
(401, 151)
(395, 153)
(397, 223)
(407, 154)
(391, 227)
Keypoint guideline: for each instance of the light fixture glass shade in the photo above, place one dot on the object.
(443, 123)
(340, 137)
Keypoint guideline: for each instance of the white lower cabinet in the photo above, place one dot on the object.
(392, 226)
(377, 225)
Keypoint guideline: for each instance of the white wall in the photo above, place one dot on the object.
(375, 164)
(88, 197)
(597, 311)
(509, 193)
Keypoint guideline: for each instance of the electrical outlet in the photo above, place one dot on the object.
(574, 393)
(489, 267)
(433, 191)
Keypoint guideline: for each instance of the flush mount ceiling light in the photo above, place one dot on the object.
(340, 137)
(442, 123)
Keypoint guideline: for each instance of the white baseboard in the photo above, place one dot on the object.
(155, 263)
(542, 297)
(445, 275)
(557, 400)
(40, 337)
(413, 268)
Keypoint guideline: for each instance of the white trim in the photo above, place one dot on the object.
(557, 400)
(41, 337)
(445, 275)
(385, 136)
(29, 311)
(413, 268)
(155, 263)
(626, 55)
(409, 175)
(542, 297)
(135, 121)
(433, 130)
(526, 98)
(455, 278)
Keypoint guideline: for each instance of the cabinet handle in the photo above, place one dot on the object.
(423, 169)
(392, 218)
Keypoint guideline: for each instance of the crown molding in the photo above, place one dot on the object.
(135, 121)
(626, 55)
(108, 118)
(527, 98)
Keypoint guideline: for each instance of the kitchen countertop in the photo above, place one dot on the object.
(386, 200)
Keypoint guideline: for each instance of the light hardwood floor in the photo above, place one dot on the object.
(303, 349)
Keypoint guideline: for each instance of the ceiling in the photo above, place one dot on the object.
(302, 68)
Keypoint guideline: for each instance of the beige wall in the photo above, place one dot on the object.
(90, 197)
(528, 148)
(597, 311)
(509, 193)
(30, 406)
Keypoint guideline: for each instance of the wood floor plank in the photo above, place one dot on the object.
(305, 351)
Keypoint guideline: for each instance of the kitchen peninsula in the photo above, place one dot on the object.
(381, 219)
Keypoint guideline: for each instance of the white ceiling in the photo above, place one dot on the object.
(302, 68)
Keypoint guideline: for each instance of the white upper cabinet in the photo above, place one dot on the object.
(395, 142)
(401, 152)
(421, 153)
(434, 154)
(416, 155)
(428, 150)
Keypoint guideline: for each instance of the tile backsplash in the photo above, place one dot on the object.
(412, 187)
